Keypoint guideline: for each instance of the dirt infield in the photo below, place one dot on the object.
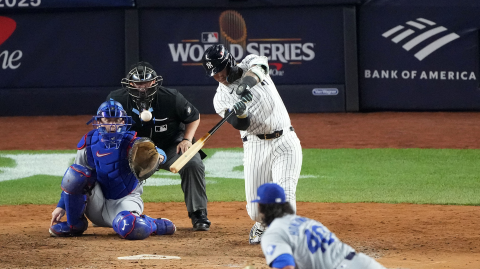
(398, 236)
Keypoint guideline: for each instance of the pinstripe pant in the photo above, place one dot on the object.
(278, 160)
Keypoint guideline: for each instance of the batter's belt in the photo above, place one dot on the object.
(273, 135)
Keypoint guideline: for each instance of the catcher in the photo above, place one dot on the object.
(105, 181)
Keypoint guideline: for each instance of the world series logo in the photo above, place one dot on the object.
(233, 34)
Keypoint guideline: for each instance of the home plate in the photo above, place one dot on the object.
(149, 257)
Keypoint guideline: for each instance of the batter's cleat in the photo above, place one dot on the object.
(200, 221)
(256, 234)
(165, 227)
(62, 229)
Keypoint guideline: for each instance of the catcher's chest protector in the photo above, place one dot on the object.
(113, 172)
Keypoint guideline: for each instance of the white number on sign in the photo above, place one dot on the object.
(21, 3)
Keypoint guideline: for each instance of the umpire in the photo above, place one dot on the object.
(166, 117)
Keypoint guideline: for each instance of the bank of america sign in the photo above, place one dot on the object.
(414, 33)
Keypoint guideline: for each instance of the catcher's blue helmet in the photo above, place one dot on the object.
(112, 123)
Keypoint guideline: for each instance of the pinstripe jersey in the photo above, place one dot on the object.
(266, 111)
(277, 160)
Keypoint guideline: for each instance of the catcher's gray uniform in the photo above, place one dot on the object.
(101, 211)
(312, 245)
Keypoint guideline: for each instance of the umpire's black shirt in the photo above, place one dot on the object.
(171, 111)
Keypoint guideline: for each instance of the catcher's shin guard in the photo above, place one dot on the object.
(74, 207)
(63, 229)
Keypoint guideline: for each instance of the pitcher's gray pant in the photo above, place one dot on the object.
(360, 261)
(193, 179)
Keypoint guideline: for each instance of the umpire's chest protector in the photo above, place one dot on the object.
(111, 165)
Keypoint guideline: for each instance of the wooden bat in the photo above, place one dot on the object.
(188, 155)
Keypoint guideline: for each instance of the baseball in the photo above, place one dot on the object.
(146, 115)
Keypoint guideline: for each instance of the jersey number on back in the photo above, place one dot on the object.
(318, 238)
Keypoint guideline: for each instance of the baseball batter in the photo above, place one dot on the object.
(292, 241)
(101, 184)
(272, 151)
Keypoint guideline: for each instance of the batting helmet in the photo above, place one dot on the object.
(112, 123)
(138, 78)
(216, 58)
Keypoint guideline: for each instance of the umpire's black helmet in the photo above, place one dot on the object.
(216, 58)
(139, 73)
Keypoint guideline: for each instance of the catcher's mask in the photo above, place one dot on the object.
(112, 123)
(142, 83)
(216, 58)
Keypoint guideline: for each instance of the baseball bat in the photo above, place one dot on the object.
(188, 155)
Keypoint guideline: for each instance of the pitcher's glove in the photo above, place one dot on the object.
(144, 158)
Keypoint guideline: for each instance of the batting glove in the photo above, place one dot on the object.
(240, 110)
(247, 96)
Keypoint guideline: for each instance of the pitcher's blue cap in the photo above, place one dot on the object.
(270, 193)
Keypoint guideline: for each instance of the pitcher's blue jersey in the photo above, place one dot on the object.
(110, 165)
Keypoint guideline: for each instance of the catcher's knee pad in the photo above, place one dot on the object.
(77, 179)
(132, 226)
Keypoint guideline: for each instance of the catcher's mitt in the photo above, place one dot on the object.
(143, 158)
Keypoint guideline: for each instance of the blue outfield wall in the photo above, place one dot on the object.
(419, 55)
(298, 54)
(62, 57)
(64, 60)
(52, 59)
(17, 5)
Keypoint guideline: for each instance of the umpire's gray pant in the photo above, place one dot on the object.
(193, 179)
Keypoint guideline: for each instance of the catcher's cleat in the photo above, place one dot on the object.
(165, 227)
(62, 229)
(200, 221)
(256, 234)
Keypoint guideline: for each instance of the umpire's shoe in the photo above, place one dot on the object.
(200, 221)
(256, 234)
(62, 229)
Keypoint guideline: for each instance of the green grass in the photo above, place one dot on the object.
(40, 189)
(433, 176)
(423, 176)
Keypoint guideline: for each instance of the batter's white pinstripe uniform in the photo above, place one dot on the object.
(277, 160)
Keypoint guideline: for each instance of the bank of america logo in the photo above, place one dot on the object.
(423, 29)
